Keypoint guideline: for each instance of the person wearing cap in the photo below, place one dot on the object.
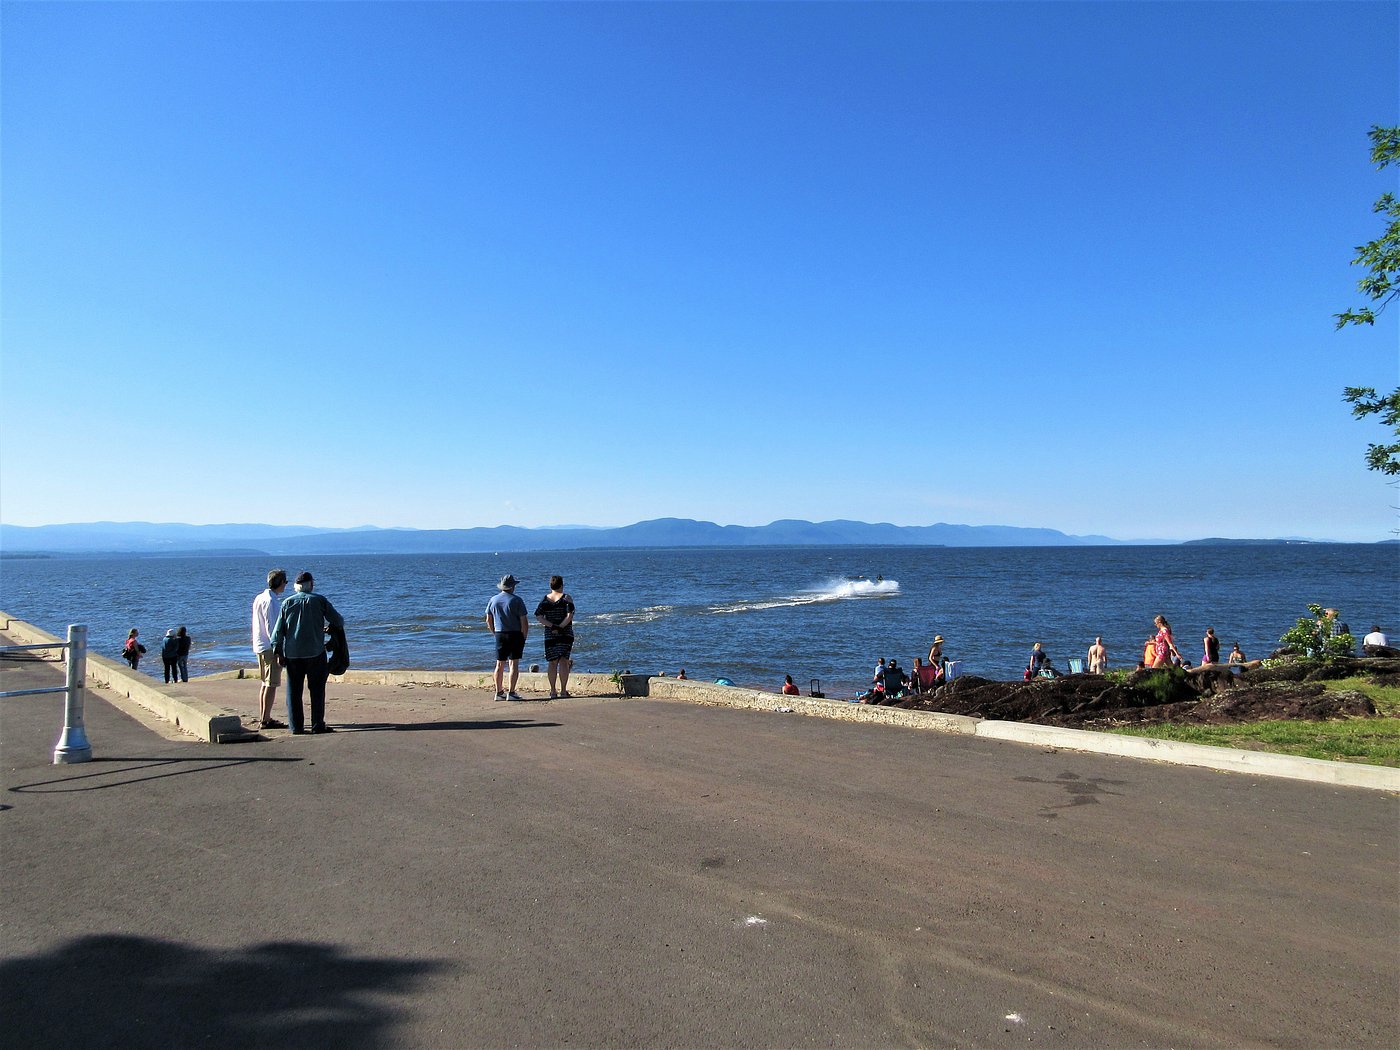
(509, 620)
(299, 639)
(170, 655)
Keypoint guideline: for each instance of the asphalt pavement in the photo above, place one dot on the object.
(451, 871)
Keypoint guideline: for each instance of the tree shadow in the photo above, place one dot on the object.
(427, 727)
(98, 775)
(116, 990)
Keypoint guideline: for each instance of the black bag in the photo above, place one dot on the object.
(337, 652)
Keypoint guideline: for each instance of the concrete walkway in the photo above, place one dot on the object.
(222, 709)
(450, 871)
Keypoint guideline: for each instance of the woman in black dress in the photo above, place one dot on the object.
(556, 613)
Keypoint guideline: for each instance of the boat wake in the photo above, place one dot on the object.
(832, 591)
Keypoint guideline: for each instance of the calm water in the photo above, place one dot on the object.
(751, 615)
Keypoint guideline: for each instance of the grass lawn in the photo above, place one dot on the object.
(1372, 741)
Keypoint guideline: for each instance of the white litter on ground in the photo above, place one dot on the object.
(1015, 1018)
(755, 920)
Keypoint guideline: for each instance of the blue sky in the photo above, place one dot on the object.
(446, 265)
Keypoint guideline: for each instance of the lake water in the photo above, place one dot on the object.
(750, 614)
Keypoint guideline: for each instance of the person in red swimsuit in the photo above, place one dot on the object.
(1163, 647)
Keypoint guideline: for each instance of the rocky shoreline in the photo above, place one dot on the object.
(1204, 696)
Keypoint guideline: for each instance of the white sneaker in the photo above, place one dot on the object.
(500, 695)
(515, 696)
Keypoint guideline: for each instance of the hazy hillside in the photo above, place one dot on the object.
(148, 538)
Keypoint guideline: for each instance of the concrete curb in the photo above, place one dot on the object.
(1225, 759)
(192, 716)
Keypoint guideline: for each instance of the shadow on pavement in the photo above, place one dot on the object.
(104, 777)
(414, 727)
(124, 991)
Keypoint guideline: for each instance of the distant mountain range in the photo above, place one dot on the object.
(149, 539)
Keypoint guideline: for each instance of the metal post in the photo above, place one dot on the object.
(73, 745)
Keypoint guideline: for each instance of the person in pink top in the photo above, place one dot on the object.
(1163, 647)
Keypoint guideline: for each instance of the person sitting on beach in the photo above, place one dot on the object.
(878, 678)
(916, 676)
(681, 674)
(895, 679)
(1040, 663)
(1236, 656)
(1377, 644)
(789, 688)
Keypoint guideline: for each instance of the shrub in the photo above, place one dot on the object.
(1312, 636)
(1166, 685)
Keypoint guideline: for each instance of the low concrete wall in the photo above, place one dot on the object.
(195, 717)
(533, 683)
(759, 700)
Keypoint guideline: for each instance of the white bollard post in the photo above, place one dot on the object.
(73, 745)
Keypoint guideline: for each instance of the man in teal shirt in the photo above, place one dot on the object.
(299, 639)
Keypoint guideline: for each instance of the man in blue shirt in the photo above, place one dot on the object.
(299, 639)
(508, 620)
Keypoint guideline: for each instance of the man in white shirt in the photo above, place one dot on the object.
(266, 606)
(1376, 643)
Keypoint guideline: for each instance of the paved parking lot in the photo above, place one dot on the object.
(450, 871)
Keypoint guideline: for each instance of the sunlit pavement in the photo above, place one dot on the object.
(446, 870)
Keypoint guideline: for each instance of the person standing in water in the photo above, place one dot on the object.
(1210, 645)
(1098, 656)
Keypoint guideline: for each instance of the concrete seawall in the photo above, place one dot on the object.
(187, 713)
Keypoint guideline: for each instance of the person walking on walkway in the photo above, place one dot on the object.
(556, 613)
(266, 607)
(299, 639)
(508, 620)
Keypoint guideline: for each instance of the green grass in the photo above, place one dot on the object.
(1370, 741)
(1385, 697)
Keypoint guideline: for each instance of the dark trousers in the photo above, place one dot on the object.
(313, 671)
(171, 669)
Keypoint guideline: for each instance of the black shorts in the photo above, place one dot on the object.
(510, 645)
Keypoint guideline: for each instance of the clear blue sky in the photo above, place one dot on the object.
(445, 265)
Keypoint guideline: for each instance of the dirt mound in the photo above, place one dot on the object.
(1213, 695)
